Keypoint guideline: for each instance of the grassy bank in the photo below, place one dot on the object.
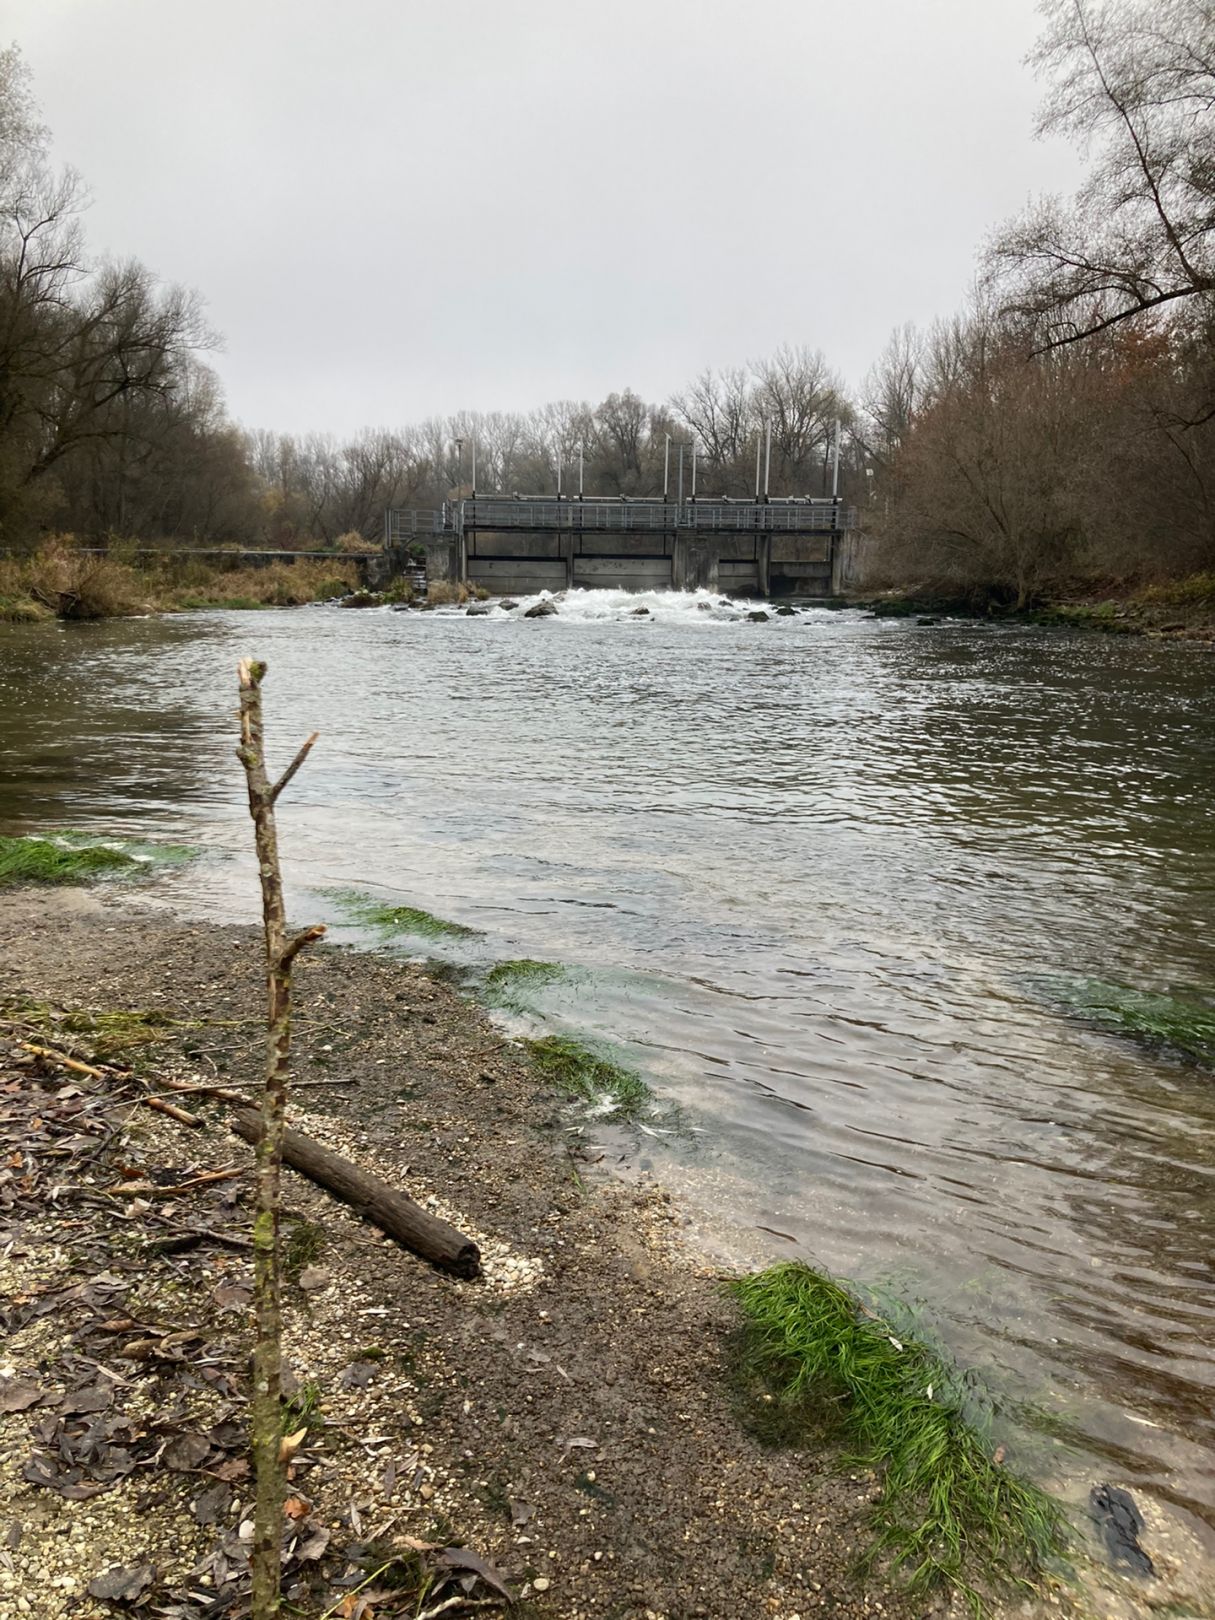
(818, 1360)
(62, 582)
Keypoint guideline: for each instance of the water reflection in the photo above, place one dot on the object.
(817, 868)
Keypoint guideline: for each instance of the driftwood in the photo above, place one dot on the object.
(401, 1217)
(393, 1212)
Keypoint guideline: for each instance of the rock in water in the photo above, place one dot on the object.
(640, 613)
(1120, 1522)
(786, 612)
(477, 610)
(507, 603)
(542, 610)
(758, 616)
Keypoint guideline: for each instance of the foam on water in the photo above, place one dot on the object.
(585, 606)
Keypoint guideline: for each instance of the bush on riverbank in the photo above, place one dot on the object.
(61, 581)
(275, 585)
(948, 1511)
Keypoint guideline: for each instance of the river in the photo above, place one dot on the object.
(822, 876)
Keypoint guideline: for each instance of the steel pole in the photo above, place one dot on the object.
(767, 456)
(666, 467)
(679, 495)
(693, 474)
(759, 450)
(579, 472)
(474, 466)
(835, 462)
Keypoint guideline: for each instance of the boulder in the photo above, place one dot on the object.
(507, 603)
(929, 618)
(640, 613)
(786, 612)
(758, 616)
(542, 610)
(477, 610)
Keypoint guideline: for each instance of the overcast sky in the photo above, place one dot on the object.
(400, 207)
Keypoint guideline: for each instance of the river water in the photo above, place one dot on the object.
(823, 877)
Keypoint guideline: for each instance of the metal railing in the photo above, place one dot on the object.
(631, 514)
(402, 525)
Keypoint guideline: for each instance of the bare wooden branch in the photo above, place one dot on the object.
(265, 1552)
(294, 766)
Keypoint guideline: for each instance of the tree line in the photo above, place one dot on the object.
(1061, 426)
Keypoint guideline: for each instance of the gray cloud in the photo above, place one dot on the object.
(395, 207)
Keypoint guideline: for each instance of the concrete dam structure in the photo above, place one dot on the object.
(520, 546)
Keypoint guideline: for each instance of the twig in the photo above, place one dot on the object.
(459, 1602)
(159, 1106)
(294, 766)
(66, 1062)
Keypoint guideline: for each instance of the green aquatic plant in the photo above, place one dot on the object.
(507, 983)
(76, 857)
(578, 1072)
(948, 1511)
(51, 860)
(1181, 1024)
(390, 920)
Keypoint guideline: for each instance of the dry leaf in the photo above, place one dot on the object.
(295, 1507)
(291, 1443)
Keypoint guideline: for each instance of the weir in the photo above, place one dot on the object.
(524, 544)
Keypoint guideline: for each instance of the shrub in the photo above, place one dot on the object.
(73, 584)
(447, 593)
(353, 544)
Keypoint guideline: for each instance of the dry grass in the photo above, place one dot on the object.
(60, 581)
(275, 585)
(447, 593)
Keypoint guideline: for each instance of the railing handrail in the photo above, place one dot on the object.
(787, 514)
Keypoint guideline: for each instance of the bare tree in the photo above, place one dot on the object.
(1135, 80)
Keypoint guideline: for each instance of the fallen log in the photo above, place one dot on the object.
(393, 1212)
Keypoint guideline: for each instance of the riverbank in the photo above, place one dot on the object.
(569, 1418)
(573, 1418)
(1182, 609)
(62, 582)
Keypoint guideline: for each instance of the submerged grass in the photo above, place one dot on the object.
(578, 1072)
(948, 1513)
(390, 920)
(74, 857)
(46, 860)
(1180, 1024)
(507, 983)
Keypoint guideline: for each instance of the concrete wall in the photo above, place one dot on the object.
(740, 564)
